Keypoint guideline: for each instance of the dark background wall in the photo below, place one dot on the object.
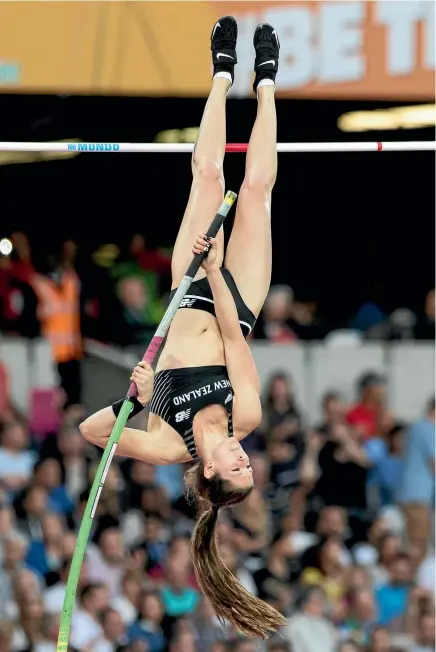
(346, 227)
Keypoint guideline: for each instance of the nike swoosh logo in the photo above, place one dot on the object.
(215, 28)
(221, 54)
(277, 38)
(265, 62)
(229, 398)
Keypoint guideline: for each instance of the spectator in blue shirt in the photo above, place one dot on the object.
(387, 459)
(46, 555)
(416, 490)
(16, 462)
(392, 598)
(48, 475)
(148, 627)
(178, 597)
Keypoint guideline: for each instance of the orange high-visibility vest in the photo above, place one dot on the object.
(59, 313)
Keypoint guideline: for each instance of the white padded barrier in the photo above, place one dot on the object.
(44, 373)
(14, 355)
(291, 359)
(411, 374)
(338, 368)
(29, 364)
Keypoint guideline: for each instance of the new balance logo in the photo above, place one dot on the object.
(221, 54)
(182, 416)
(187, 303)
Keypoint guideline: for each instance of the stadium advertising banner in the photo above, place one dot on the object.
(375, 49)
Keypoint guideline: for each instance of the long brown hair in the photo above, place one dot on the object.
(228, 598)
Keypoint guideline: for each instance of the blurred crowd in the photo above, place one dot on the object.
(119, 293)
(337, 534)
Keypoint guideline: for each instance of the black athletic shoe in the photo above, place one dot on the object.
(223, 45)
(267, 46)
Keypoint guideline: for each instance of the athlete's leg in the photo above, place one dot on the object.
(207, 188)
(248, 254)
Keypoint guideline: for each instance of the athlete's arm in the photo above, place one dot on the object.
(133, 443)
(247, 411)
(138, 444)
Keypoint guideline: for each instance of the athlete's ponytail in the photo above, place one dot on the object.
(228, 598)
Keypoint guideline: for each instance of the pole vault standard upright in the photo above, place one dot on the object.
(160, 148)
(111, 446)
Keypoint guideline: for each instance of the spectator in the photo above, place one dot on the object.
(425, 634)
(368, 414)
(115, 637)
(361, 617)
(388, 547)
(6, 635)
(277, 312)
(126, 603)
(134, 323)
(177, 596)
(279, 646)
(242, 645)
(58, 295)
(416, 486)
(309, 630)
(379, 640)
(251, 522)
(31, 506)
(47, 474)
(149, 260)
(16, 462)
(207, 628)
(149, 624)
(18, 302)
(106, 561)
(74, 460)
(219, 647)
(154, 542)
(328, 572)
(86, 628)
(392, 598)
(6, 410)
(55, 594)
(7, 519)
(342, 462)
(274, 577)
(332, 522)
(387, 459)
(14, 550)
(45, 555)
(333, 410)
(349, 646)
(281, 415)
(425, 327)
(229, 558)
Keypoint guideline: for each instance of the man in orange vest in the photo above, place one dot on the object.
(59, 312)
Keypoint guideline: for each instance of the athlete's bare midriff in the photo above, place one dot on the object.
(194, 340)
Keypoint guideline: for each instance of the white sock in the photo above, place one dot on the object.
(265, 82)
(223, 75)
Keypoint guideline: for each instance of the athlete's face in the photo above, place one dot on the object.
(231, 462)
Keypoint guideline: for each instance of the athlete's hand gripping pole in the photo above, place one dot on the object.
(109, 451)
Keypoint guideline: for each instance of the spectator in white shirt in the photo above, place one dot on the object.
(114, 633)
(86, 628)
(106, 561)
(309, 630)
(16, 463)
(54, 596)
(127, 602)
